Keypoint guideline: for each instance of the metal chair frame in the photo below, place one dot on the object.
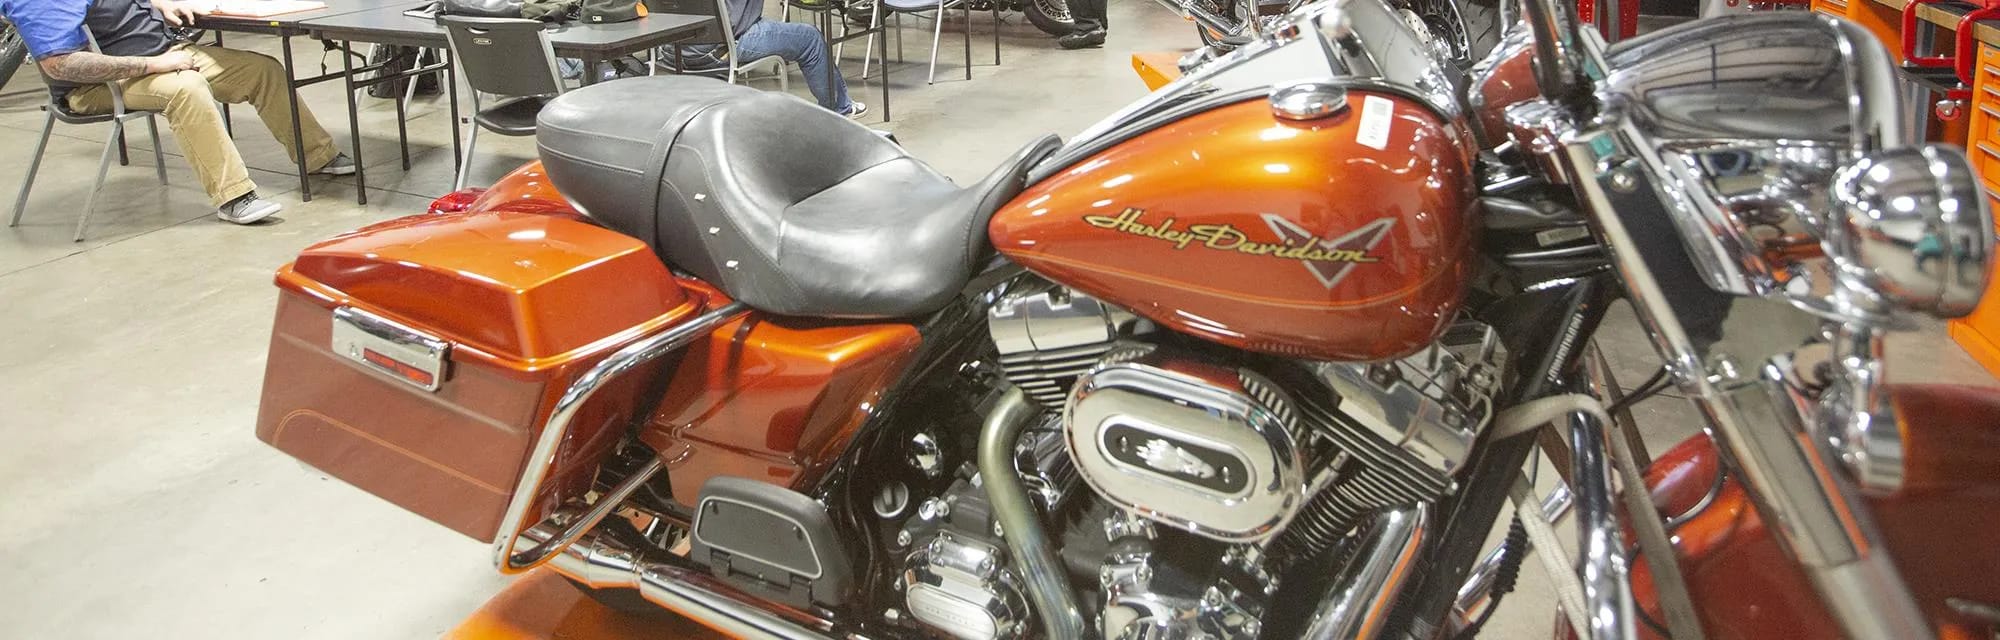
(936, 16)
(874, 26)
(113, 145)
(460, 58)
(735, 66)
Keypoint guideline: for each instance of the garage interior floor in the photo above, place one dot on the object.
(136, 499)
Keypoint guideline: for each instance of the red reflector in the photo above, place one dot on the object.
(397, 367)
(457, 201)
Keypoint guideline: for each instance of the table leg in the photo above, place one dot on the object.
(451, 84)
(968, 38)
(228, 126)
(883, 53)
(589, 76)
(354, 123)
(299, 134)
(402, 116)
(996, 34)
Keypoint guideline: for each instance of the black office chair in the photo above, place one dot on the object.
(114, 144)
(510, 59)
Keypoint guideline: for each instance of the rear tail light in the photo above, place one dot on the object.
(457, 201)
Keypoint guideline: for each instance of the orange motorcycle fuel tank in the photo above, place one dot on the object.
(1330, 218)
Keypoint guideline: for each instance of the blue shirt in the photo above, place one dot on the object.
(48, 27)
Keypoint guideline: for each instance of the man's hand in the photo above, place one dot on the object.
(169, 62)
(181, 14)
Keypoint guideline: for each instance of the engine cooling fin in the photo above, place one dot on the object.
(1378, 474)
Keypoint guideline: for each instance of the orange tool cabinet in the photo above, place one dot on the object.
(1979, 333)
(1978, 131)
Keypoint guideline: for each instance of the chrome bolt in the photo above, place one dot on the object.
(996, 530)
(1253, 628)
(1624, 181)
(903, 538)
(892, 615)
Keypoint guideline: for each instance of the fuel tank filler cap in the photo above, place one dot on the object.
(1308, 100)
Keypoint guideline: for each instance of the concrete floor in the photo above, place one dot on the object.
(134, 496)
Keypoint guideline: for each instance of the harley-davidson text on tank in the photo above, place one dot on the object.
(1329, 260)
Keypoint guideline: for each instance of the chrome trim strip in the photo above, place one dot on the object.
(556, 430)
(1358, 606)
(1041, 569)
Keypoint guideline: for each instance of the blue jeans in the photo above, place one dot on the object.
(800, 43)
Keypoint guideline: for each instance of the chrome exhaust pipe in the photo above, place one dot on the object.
(1034, 555)
(599, 562)
(1366, 588)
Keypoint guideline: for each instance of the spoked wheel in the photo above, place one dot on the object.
(1051, 16)
(12, 52)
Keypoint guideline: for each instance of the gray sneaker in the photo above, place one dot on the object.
(340, 165)
(855, 109)
(248, 209)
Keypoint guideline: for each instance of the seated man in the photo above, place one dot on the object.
(800, 43)
(178, 79)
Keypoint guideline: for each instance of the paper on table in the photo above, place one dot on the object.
(258, 8)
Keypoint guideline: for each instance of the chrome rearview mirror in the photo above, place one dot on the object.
(1911, 226)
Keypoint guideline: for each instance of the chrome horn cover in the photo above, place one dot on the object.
(1912, 228)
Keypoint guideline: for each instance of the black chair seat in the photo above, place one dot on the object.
(515, 117)
(785, 206)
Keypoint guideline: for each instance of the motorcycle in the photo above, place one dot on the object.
(1264, 354)
(1466, 29)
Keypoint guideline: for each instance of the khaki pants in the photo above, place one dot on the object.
(187, 99)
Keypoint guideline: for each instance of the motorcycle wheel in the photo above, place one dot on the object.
(1051, 16)
(12, 52)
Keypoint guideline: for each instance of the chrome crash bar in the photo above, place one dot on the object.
(566, 531)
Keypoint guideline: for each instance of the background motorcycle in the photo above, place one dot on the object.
(1467, 29)
(1243, 360)
(12, 51)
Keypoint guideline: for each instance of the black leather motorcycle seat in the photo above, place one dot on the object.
(787, 207)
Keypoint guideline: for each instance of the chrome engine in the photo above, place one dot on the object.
(957, 580)
(1274, 460)
(1186, 443)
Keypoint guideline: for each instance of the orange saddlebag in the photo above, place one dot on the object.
(418, 358)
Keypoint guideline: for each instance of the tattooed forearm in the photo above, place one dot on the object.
(87, 67)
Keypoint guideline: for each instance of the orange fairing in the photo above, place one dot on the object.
(1938, 528)
(1347, 237)
(774, 399)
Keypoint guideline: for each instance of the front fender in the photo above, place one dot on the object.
(1940, 528)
